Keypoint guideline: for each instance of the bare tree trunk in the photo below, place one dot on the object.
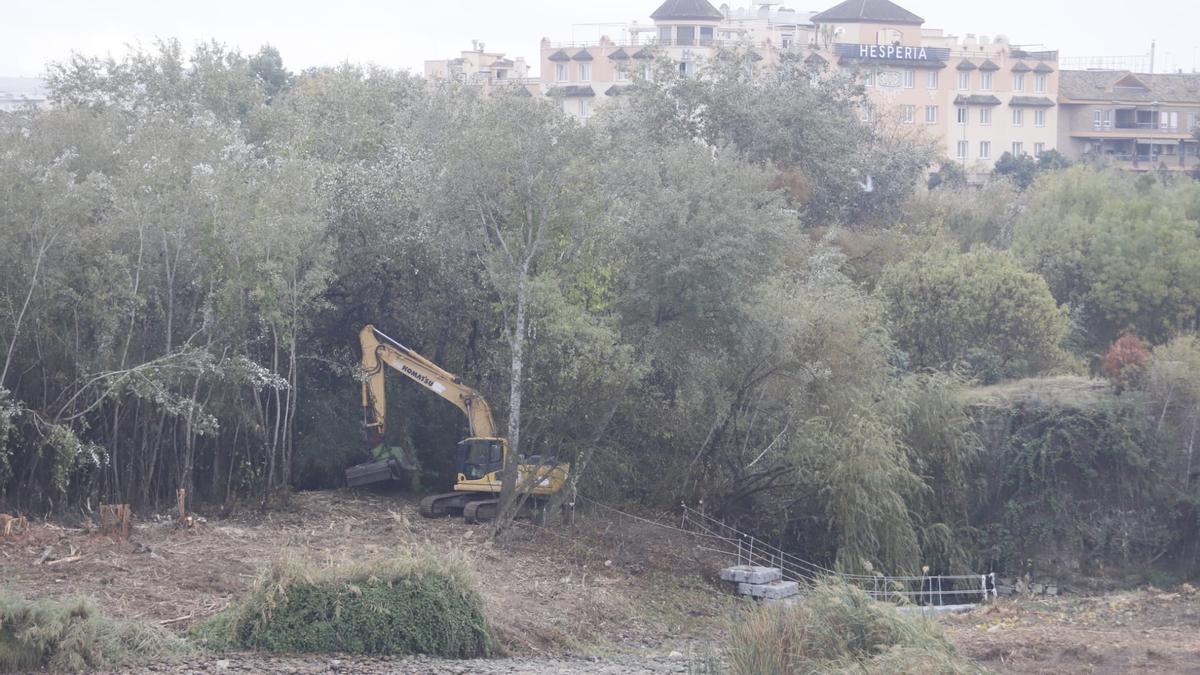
(12, 344)
(506, 511)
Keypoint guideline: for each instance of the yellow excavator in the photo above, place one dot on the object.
(480, 458)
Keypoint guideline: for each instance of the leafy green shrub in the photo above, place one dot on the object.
(838, 628)
(73, 635)
(410, 605)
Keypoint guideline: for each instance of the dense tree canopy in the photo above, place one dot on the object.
(724, 287)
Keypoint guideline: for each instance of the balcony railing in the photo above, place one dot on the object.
(650, 42)
(1146, 127)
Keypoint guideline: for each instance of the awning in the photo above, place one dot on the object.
(977, 100)
(1031, 102)
(571, 91)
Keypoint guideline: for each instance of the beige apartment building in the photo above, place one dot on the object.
(484, 69)
(980, 97)
(1134, 121)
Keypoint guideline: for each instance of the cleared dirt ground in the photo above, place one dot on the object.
(1144, 631)
(601, 596)
(598, 589)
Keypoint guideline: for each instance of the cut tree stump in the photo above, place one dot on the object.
(114, 519)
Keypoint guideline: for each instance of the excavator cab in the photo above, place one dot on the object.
(478, 457)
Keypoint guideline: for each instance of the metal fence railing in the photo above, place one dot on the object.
(716, 536)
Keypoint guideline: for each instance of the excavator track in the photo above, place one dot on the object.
(437, 506)
(481, 511)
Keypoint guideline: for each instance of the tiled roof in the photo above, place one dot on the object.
(583, 55)
(1122, 85)
(1031, 102)
(976, 99)
(571, 91)
(1043, 68)
(695, 10)
(1020, 67)
(988, 65)
(873, 11)
(617, 89)
(619, 55)
(644, 53)
(815, 59)
(967, 64)
(559, 55)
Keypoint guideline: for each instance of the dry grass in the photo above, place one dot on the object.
(74, 635)
(838, 628)
(403, 604)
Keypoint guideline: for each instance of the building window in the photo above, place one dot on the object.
(664, 35)
(622, 74)
(964, 79)
(985, 116)
(910, 78)
(685, 36)
(985, 149)
(585, 107)
(1039, 118)
(1169, 121)
(706, 36)
(647, 72)
(962, 151)
(585, 72)
(1101, 119)
(560, 72)
(1039, 83)
(864, 112)
(1018, 149)
(908, 114)
(931, 114)
(785, 41)
(1193, 120)
(685, 68)
(869, 78)
(985, 81)
(1038, 149)
(1019, 82)
(931, 79)
(1018, 117)
(963, 114)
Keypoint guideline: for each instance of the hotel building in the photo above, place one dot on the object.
(979, 97)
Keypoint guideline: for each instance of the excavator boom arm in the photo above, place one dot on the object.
(376, 354)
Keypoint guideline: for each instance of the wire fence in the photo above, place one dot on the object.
(721, 538)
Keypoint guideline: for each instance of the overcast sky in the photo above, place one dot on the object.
(403, 33)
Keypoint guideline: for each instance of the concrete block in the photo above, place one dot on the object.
(771, 591)
(1051, 590)
(749, 574)
(1005, 590)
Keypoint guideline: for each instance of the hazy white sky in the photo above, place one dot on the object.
(403, 33)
